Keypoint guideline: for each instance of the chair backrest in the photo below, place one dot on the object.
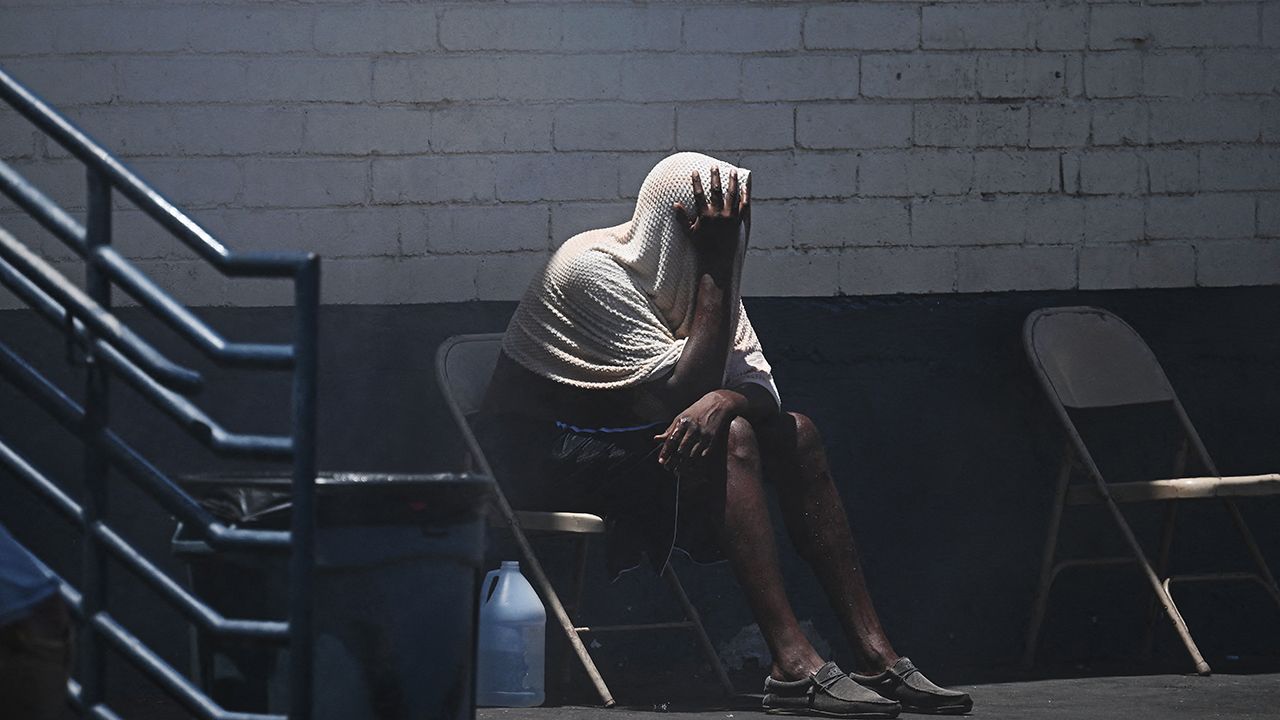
(1089, 358)
(464, 365)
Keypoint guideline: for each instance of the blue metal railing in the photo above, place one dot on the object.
(110, 348)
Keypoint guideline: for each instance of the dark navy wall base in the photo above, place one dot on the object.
(942, 447)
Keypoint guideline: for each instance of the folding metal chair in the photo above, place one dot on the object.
(464, 365)
(1088, 358)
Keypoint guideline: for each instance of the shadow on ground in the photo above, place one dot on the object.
(1251, 694)
(1159, 688)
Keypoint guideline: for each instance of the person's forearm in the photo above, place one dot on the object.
(717, 231)
(700, 368)
(756, 403)
(748, 400)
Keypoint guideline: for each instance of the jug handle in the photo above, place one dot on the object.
(487, 588)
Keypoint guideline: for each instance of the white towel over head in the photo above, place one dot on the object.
(609, 310)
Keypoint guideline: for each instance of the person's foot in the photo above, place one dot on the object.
(827, 692)
(904, 683)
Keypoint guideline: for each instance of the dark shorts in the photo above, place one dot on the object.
(610, 472)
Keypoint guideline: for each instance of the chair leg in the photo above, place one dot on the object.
(691, 614)
(1047, 575)
(552, 600)
(1162, 594)
(579, 581)
(1162, 570)
(579, 570)
(1264, 571)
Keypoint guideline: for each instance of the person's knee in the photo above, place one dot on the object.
(790, 432)
(742, 445)
(792, 442)
(808, 439)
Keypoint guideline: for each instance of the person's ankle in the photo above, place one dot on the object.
(795, 668)
(874, 662)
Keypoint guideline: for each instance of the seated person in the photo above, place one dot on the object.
(631, 385)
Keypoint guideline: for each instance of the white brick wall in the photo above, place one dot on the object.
(439, 152)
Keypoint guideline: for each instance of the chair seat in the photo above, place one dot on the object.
(557, 522)
(1179, 489)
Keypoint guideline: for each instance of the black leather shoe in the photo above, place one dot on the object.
(828, 693)
(905, 683)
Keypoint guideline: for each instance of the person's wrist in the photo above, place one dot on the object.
(714, 255)
(717, 265)
(734, 403)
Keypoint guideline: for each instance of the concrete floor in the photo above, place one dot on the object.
(1146, 697)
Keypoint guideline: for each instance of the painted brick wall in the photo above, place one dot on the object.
(438, 152)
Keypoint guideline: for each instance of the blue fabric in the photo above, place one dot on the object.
(575, 428)
(24, 582)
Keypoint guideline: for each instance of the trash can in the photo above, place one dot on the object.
(397, 569)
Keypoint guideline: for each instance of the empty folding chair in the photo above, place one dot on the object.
(1087, 358)
(464, 365)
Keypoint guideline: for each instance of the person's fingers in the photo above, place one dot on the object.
(663, 436)
(685, 450)
(666, 433)
(688, 433)
(731, 196)
(688, 450)
(699, 449)
(717, 194)
(670, 455)
(672, 442)
(699, 196)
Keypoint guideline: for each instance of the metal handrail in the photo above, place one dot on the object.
(125, 273)
(87, 319)
(206, 617)
(190, 417)
(150, 664)
(96, 317)
(79, 144)
(172, 498)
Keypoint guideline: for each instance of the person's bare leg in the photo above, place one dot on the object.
(732, 493)
(796, 464)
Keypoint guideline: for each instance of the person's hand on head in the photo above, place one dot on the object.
(717, 219)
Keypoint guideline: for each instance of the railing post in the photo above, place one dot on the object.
(302, 528)
(97, 415)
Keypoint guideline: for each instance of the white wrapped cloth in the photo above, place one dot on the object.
(611, 307)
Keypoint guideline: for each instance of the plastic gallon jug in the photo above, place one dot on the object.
(513, 629)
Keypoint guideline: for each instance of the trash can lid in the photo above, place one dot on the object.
(344, 497)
